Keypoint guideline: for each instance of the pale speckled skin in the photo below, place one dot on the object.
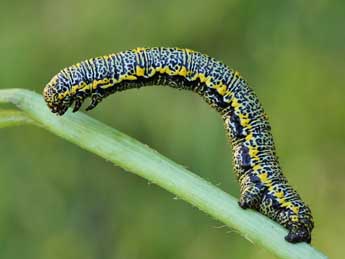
(263, 185)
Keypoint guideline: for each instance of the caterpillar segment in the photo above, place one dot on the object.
(263, 186)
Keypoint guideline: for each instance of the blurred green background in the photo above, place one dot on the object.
(59, 201)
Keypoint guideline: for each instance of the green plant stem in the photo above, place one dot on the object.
(138, 158)
(10, 118)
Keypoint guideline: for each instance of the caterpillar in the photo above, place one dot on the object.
(263, 187)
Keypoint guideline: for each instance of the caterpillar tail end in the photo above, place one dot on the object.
(299, 223)
(297, 235)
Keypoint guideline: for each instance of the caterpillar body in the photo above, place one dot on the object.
(263, 186)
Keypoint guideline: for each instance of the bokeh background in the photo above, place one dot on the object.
(59, 201)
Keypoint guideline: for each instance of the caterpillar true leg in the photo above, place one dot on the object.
(77, 103)
(96, 98)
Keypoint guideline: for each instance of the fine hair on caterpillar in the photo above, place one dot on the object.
(263, 186)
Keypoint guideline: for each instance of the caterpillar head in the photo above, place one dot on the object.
(56, 94)
(59, 96)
